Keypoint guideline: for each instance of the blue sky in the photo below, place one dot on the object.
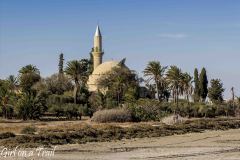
(186, 33)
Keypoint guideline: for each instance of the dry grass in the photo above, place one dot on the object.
(112, 115)
(12, 127)
(16, 126)
(82, 132)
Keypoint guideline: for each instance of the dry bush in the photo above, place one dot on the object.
(173, 119)
(112, 115)
(29, 130)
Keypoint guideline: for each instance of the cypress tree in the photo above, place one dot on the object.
(196, 89)
(203, 84)
(60, 64)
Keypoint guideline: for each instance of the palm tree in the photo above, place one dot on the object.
(174, 79)
(13, 81)
(4, 96)
(187, 85)
(4, 101)
(155, 72)
(77, 70)
(29, 69)
(28, 76)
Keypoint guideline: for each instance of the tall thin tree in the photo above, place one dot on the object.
(196, 86)
(60, 66)
(233, 95)
(203, 85)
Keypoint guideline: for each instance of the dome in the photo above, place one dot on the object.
(105, 67)
(100, 71)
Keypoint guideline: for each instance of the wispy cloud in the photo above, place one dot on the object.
(173, 35)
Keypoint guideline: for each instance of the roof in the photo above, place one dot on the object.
(105, 67)
(97, 33)
(98, 72)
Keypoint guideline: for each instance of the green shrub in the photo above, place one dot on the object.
(112, 115)
(148, 110)
(96, 101)
(206, 111)
(60, 99)
(225, 109)
(32, 106)
(9, 111)
(85, 110)
(72, 110)
(57, 109)
(69, 110)
(110, 103)
(29, 130)
(147, 113)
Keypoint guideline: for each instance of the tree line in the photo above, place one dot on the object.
(172, 81)
(65, 94)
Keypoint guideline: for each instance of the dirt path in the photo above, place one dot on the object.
(217, 145)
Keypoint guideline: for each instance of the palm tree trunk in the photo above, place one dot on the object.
(4, 111)
(173, 92)
(177, 98)
(188, 98)
(118, 97)
(157, 87)
(75, 91)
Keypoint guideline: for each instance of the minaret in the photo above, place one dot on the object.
(97, 48)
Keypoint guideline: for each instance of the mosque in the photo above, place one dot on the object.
(100, 68)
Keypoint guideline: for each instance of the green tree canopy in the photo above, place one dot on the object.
(28, 76)
(119, 83)
(58, 86)
(216, 91)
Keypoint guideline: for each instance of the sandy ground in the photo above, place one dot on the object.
(217, 145)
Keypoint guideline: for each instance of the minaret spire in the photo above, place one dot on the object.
(97, 48)
(98, 32)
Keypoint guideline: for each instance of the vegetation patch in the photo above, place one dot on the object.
(29, 130)
(101, 133)
(112, 115)
(6, 135)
